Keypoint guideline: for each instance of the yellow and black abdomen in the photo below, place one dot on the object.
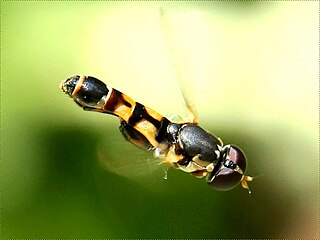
(185, 146)
(139, 124)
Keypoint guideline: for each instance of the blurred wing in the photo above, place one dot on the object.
(171, 43)
(121, 157)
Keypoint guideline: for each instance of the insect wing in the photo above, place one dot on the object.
(125, 159)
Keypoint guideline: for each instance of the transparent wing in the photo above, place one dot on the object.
(171, 27)
(121, 157)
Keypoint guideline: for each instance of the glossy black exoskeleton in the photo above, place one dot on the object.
(185, 146)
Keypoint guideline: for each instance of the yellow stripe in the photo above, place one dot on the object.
(124, 112)
(78, 86)
(148, 130)
(153, 114)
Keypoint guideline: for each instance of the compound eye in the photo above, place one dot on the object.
(231, 170)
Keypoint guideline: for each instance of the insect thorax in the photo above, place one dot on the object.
(191, 148)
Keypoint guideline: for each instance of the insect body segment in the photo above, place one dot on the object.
(185, 146)
(137, 121)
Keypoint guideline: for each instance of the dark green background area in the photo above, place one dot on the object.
(53, 180)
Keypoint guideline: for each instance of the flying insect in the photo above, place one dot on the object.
(182, 145)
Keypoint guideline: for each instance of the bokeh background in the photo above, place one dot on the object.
(250, 68)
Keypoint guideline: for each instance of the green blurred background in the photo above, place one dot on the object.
(250, 68)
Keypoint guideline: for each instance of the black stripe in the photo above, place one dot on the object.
(140, 113)
(162, 133)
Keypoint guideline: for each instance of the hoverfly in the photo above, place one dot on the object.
(185, 146)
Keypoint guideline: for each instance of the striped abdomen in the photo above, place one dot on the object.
(137, 121)
(185, 146)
